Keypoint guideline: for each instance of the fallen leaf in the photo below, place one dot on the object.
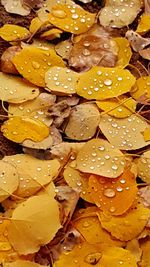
(15, 7)
(103, 83)
(15, 90)
(145, 53)
(33, 3)
(141, 87)
(136, 41)
(21, 263)
(145, 253)
(124, 134)
(44, 144)
(51, 34)
(134, 247)
(143, 166)
(79, 126)
(147, 134)
(63, 49)
(99, 157)
(124, 51)
(144, 24)
(147, 6)
(10, 32)
(6, 59)
(32, 223)
(32, 63)
(144, 193)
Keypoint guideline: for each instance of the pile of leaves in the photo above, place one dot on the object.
(75, 134)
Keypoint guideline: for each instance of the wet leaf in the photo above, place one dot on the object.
(18, 129)
(77, 22)
(21, 263)
(79, 126)
(61, 81)
(103, 83)
(125, 134)
(110, 194)
(6, 59)
(32, 63)
(10, 32)
(118, 15)
(147, 134)
(145, 253)
(97, 156)
(134, 247)
(120, 107)
(15, 90)
(136, 41)
(124, 51)
(141, 87)
(32, 223)
(44, 144)
(63, 49)
(143, 166)
(33, 173)
(16, 7)
(144, 24)
(127, 226)
(51, 34)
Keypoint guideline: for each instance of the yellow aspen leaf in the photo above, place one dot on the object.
(142, 87)
(10, 32)
(134, 247)
(127, 226)
(110, 194)
(61, 81)
(34, 223)
(77, 22)
(36, 108)
(126, 133)
(9, 181)
(124, 51)
(144, 24)
(99, 157)
(117, 257)
(33, 173)
(16, 90)
(44, 144)
(145, 262)
(79, 126)
(78, 181)
(91, 230)
(51, 34)
(18, 129)
(103, 83)
(32, 63)
(147, 134)
(143, 167)
(36, 24)
(120, 107)
(21, 263)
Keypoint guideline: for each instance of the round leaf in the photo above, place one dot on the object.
(10, 32)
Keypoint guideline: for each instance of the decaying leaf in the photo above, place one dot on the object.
(10, 32)
(136, 41)
(99, 157)
(6, 59)
(124, 51)
(15, 90)
(33, 173)
(21, 263)
(63, 49)
(16, 7)
(31, 223)
(144, 24)
(120, 107)
(103, 83)
(18, 129)
(36, 108)
(144, 193)
(145, 53)
(77, 22)
(32, 63)
(141, 88)
(95, 47)
(118, 14)
(61, 81)
(79, 126)
(110, 194)
(125, 134)
(143, 165)
(127, 226)
(9, 180)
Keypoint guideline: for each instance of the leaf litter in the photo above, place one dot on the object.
(76, 104)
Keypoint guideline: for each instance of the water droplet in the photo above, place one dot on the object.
(108, 82)
(35, 65)
(61, 14)
(86, 52)
(119, 189)
(112, 209)
(93, 258)
(86, 224)
(109, 192)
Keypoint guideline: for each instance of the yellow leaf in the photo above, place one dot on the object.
(36, 24)
(51, 34)
(33, 173)
(16, 90)
(127, 226)
(145, 253)
(21, 263)
(141, 88)
(97, 156)
(34, 223)
(120, 107)
(147, 134)
(124, 51)
(143, 166)
(18, 129)
(125, 134)
(10, 32)
(32, 63)
(144, 24)
(61, 81)
(77, 21)
(103, 83)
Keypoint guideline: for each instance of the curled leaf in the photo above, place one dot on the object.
(79, 126)
(125, 134)
(18, 129)
(99, 157)
(136, 41)
(15, 90)
(10, 32)
(31, 223)
(32, 63)
(103, 83)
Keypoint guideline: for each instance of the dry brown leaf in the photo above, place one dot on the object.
(145, 53)
(144, 193)
(6, 59)
(136, 41)
(16, 7)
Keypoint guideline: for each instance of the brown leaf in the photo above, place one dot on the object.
(144, 193)
(147, 6)
(145, 53)
(6, 59)
(136, 41)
